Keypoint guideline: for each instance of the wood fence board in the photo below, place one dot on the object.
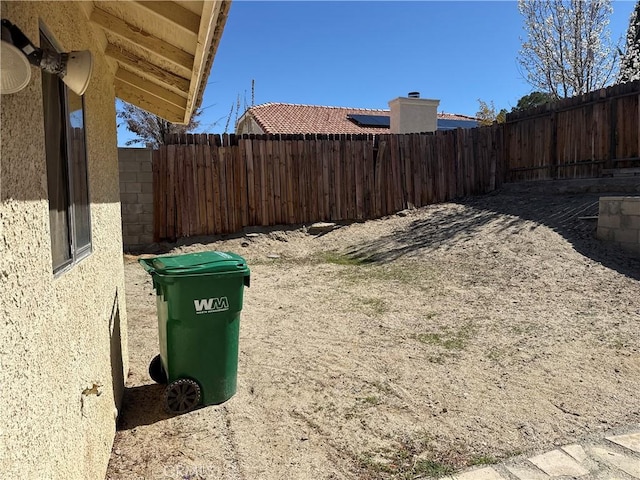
(170, 193)
(182, 227)
(251, 193)
(242, 179)
(295, 183)
(378, 199)
(271, 194)
(277, 180)
(214, 153)
(312, 181)
(406, 169)
(290, 178)
(416, 169)
(259, 185)
(209, 188)
(336, 165)
(239, 179)
(358, 183)
(350, 185)
(195, 193)
(368, 177)
(201, 212)
(190, 180)
(284, 209)
(300, 186)
(387, 181)
(394, 172)
(224, 197)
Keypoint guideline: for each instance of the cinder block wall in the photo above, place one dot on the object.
(136, 196)
(619, 222)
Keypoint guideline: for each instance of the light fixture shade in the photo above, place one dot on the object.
(15, 71)
(78, 71)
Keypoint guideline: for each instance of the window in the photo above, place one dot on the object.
(69, 215)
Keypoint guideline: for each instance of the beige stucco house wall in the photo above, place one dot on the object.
(66, 334)
(248, 125)
(63, 345)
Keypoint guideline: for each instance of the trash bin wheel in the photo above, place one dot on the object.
(156, 371)
(182, 396)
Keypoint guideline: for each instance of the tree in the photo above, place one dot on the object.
(486, 114)
(568, 50)
(630, 59)
(534, 99)
(150, 128)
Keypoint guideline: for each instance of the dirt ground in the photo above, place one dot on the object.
(407, 347)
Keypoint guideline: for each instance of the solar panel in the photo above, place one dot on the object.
(382, 121)
(446, 124)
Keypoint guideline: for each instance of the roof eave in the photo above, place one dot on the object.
(161, 52)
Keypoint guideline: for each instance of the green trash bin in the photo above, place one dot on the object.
(199, 299)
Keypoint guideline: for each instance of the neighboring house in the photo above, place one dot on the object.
(63, 340)
(287, 118)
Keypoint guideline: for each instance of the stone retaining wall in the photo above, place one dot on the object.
(619, 222)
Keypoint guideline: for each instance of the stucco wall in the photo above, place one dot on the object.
(413, 115)
(248, 125)
(136, 196)
(59, 336)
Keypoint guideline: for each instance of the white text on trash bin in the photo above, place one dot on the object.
(211, 305)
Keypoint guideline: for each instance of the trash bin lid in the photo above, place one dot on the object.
(196, 263)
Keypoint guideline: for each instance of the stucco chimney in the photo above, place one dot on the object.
(413, 114)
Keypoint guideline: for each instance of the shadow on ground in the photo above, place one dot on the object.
(142, 405)
(566, 214)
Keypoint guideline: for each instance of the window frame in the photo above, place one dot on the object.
(74, 252)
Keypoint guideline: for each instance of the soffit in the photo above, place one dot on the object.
(162, 51)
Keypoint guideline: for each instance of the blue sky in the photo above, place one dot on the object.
(365, 53)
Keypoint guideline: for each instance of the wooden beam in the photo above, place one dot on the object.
(153, 88)
(208, 38)
(141, 99)
(173, 12)
(145, 40)
(138, 64)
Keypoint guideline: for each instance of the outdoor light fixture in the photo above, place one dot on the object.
(17, 52)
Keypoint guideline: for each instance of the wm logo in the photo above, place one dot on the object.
(211, 305)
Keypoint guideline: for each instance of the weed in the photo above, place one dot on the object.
(371, 400)
(494, 354)
(449, 340)
(404, 464)
(371, 465)
(432, 469)
(378, 306)
(482, 460)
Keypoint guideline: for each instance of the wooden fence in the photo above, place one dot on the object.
(577, 137)
(210, 184)
(201, 189)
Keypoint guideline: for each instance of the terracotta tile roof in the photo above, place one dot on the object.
(290, 118)
(455, 116)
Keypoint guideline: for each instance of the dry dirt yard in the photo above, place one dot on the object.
(407, 347)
